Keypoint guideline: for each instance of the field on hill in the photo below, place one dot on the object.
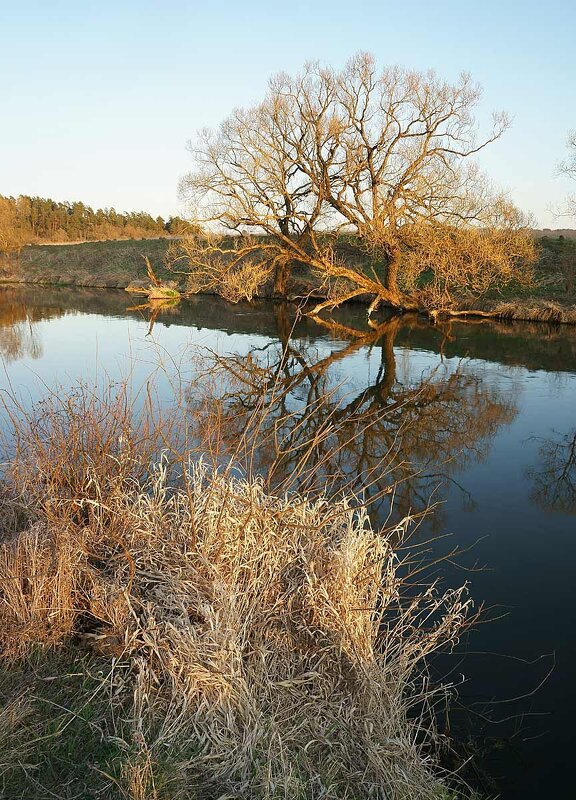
(112, 264)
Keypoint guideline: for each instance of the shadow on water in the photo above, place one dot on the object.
(480, 417)
(534, 346)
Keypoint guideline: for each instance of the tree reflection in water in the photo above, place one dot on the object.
(554, 480)
(18, 338)
(307, 429)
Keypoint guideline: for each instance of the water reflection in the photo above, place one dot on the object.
(18, 335)
(388, 434)
(554, 478)
(156, 307)
(471, 406)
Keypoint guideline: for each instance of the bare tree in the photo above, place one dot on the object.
(568, 167)
(382, 158)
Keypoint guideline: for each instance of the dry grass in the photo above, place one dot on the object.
(271, 646)
(536, 311)
(525, 309)
(163, 293)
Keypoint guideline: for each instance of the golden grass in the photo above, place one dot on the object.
(536, 311)
(524, 309)
(269, 644)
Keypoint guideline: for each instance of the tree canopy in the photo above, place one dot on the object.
(382, 157)
(12, 237)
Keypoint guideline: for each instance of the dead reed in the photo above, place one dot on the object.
(524, 309)
(267, 644)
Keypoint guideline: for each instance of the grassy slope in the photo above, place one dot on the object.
(111, 264)
(115, 264)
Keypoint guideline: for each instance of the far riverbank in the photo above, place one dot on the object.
(118, 264)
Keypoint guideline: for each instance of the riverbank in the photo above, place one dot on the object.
(101, 265)
(119, 264)
(518, 309)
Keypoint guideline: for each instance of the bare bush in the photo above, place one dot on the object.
(237, 269)
(469, 261)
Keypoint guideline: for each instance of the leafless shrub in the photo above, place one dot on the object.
(235, 268)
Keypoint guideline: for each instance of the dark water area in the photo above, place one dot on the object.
(482, 416)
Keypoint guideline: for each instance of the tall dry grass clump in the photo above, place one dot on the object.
(269, 645)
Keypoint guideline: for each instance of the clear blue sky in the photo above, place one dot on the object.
(98, 99)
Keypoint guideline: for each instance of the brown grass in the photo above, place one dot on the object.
(271, 646)
(536, 311)
(524, 309)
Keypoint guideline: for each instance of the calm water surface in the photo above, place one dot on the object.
(486, 415)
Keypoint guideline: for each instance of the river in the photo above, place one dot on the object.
(479, 416)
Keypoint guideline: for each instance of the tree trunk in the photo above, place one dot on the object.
(281, 278)
(392, 271)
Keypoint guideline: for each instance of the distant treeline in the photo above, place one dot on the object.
(39, 219)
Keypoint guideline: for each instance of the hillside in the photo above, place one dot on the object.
(112, 264)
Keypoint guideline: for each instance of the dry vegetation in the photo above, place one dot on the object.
(11, 237)
(250, 644)
(568, 168)
(529, 309)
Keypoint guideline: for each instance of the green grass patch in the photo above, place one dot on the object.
(100, 264)
(68, 738)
